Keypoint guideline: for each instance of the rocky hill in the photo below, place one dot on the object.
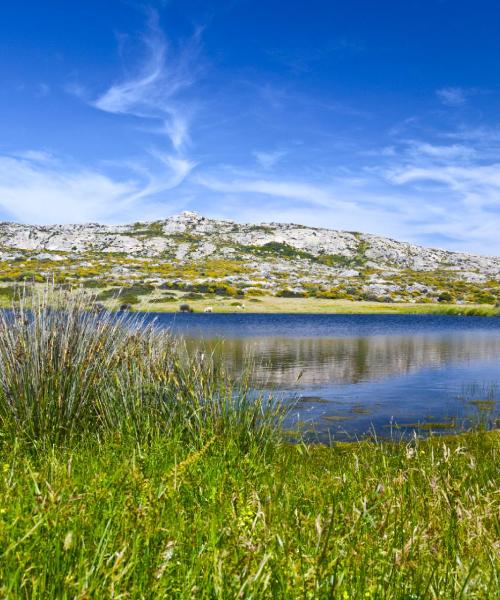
(197, 255)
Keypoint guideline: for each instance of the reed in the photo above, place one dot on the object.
(69, 370)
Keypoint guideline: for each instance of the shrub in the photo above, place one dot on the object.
(290, 294)
(93, 283)
(7, 292)
(30, 276)
(129, 299)
(162, 300)
(255, 292)
(445, 297)
(484, 298)
(121, 293)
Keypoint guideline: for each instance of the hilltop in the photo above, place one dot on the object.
(194, 255)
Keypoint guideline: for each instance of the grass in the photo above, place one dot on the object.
(163, 519)
(276, 305)
(132, 469)
(68, 370)
(149, 299)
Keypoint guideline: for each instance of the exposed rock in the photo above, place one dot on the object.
(274, 256)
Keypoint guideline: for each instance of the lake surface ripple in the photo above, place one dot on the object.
(349, 375)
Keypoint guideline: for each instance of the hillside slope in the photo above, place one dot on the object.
(195, 254)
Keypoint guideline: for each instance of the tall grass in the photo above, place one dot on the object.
(69, 370)
(158, 519)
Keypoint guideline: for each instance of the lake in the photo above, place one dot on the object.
(351, 375)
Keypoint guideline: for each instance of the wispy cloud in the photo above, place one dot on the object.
(452, 96)
(420, 191)
(476, 185)
(153, 91)
(291, 190)
(36, 187)
(338, 204)
(268, 160)
(459, 185)
(440, 152)
(480, 135)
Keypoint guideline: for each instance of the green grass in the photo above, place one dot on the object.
(165, 519)
(469, 311)
(132, 469)
(220, 297)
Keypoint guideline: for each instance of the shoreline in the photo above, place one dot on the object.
(275, 305)
(157, 301)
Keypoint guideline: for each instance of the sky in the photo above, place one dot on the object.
(381, 117)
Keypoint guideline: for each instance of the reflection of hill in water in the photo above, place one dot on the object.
(280, 361)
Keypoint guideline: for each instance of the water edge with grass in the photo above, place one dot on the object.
(133, 467)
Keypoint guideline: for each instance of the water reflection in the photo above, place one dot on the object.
(300, 362)
(347, 375)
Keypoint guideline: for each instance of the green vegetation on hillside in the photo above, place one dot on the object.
(284, 250)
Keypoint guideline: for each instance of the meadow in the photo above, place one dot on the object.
(132, 468)
(141, 297)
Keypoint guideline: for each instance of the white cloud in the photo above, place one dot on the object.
(36, 188)
(479, 135)
(441, 152)
(467, 171)
(41, 156)
(268, 160)
(452, 96)
(419, 191)
(151, 93)
(479, 185)
(302, 192)
(459, 187)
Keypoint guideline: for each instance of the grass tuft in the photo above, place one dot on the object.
(69, 370)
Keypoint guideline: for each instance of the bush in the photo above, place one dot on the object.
(485, 298)
(162, 300)
(255, 292)
(129, 299)
(290, 294)
(445, 297)
(93, 283)
(7, 292)
(30, 276)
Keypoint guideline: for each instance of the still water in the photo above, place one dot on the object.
(349, 375)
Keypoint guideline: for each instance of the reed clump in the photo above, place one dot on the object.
(69, 370)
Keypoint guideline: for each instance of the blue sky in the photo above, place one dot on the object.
(381, 117)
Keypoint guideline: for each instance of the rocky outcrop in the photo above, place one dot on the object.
(191, 235)
(274, 254)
